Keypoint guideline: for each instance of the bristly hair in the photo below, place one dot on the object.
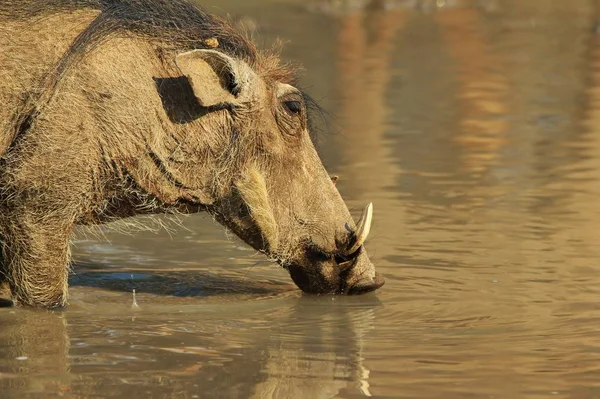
(177, 24)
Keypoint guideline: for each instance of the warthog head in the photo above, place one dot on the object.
(271, 189)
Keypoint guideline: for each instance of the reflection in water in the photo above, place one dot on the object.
(34, 353)
(319, 360)
(315, 350)
(474, 127)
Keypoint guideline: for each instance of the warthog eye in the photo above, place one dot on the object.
(293, 107)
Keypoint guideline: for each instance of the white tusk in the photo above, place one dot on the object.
(363, 228)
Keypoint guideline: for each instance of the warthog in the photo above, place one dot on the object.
(116, 108)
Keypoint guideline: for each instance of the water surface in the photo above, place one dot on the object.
(473, 126)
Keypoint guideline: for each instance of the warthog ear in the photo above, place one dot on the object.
(212, 75)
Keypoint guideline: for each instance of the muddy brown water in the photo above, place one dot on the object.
(474, 127)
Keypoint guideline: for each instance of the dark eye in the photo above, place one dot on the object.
(294, 107)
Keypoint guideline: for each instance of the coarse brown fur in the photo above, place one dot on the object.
(99, 121)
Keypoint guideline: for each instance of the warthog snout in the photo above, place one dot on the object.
(357, 278)
(346, 271)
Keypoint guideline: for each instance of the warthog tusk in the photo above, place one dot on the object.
(363, 228)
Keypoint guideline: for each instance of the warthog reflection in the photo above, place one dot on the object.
(319, 360)
(34, 353)
(315, 350)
